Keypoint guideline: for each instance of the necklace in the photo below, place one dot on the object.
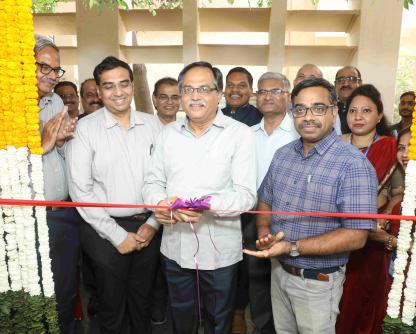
(367, 149)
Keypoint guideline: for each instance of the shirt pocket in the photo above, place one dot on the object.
(320, 195)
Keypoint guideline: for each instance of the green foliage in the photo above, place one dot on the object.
(44, 6)
(22, 313)
(395, 326)
(407, 3)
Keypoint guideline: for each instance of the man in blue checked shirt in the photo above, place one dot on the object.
(317, 173)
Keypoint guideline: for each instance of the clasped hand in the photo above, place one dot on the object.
(167, 217)
(58, 129)
(137, 241)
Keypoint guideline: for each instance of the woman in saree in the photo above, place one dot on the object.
(364, 300)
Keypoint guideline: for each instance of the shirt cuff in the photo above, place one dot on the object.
(118, 236)
(153, 222)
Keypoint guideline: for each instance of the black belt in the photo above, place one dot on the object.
(140, 217)
(316, 274)
(54, 208)
(58, 208)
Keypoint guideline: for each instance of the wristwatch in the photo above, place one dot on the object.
(294, 251)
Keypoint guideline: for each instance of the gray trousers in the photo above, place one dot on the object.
(302, 305)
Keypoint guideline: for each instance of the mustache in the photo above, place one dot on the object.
(200, 102)
(49, 81)
(309, 123)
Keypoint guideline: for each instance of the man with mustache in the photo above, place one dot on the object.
(238, 90)
(90, 99)
(406, 106)
(166, 99)
(346, 80)
(317, 173)
(68, 92)
(205, 154)
(56, 127)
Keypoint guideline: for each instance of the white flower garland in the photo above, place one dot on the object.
(43, 230)
(4, 279)
(9, 225)
(404, 239)
(19, 225)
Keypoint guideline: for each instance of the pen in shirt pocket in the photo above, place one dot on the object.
(309, 178)
(151, 149)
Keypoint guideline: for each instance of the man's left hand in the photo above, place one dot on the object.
(275, 247)
(145, 235)
(187, 216)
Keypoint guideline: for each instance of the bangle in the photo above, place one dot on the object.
(389, 243)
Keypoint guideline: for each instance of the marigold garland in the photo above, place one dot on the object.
(27, 303)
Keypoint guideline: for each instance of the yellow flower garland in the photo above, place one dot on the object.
(19, 112)
(412, 148)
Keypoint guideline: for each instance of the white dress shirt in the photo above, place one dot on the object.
(267, 145)
(221, 163)
(106, 164)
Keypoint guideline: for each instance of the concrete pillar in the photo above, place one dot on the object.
(378, 47)
(277, 30)
(97, 37)
(190, 28)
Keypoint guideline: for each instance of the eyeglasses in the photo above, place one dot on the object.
(347, 79)
(204, 90)
(166, 98)
(46, 69)
(274, 92)
(317, 110)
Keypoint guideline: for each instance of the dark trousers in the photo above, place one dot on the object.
(64, 244)
(160, 292)
(217, 288)
(258, 271)
(123, 283)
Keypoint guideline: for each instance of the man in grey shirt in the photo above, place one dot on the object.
(207, 153)
(106, 161)
(56, 127)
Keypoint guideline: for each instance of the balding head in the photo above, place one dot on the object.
(307, 71)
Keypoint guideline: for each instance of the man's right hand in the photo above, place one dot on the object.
(165, 216)
(129, 244)
(50, 130)
(267, 241)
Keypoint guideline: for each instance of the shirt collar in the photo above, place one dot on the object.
(322, 146)
(135, 119)
(44, 100)
(285, 125)
(220, 120)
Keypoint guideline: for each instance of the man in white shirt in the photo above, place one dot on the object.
(205, 154)
(107, 161)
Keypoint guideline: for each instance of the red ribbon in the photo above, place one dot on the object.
(62, 204)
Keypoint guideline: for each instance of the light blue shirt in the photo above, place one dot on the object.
(267, 145)
(54, 171)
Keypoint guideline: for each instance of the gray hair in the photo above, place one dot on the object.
(44, 42)
(275, 76)
(310, 65)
